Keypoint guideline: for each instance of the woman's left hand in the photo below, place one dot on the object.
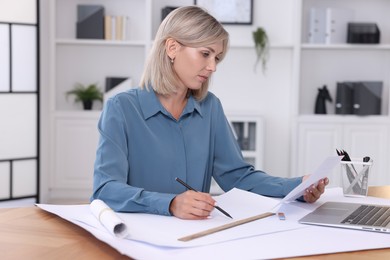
(313, 193)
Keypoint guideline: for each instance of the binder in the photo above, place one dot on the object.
(344, 98)
(367, 97)
(337, 25)
(359, 98)
(90, 22)
(317, 19)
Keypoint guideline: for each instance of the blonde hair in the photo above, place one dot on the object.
(192, 26)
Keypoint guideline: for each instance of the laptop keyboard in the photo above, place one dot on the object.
(368, 215)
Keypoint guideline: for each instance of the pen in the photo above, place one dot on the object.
(190, 188)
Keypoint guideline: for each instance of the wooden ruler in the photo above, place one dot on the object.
(226, 226)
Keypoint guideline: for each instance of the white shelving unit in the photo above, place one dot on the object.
(317, 136)
(74, 134)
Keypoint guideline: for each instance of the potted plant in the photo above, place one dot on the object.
(260, 38)
(86, 94)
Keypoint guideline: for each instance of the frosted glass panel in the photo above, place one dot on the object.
(24, 178)
(24, 58)
(4, 57)
(18, 125)
(18, 11)
(4, 180)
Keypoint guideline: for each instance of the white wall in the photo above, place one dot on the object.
(242, 88)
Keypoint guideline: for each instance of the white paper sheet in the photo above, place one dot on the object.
(166, 230)
(324, 170)
(306, 240)
(108, 218)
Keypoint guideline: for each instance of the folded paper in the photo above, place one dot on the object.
(108, 218)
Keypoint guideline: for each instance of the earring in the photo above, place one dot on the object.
(172, 61)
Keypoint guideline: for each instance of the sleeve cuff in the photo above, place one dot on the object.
(162, 204)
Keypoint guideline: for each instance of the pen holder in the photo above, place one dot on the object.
(355, 177)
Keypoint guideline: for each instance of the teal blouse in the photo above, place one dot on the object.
(142, 149)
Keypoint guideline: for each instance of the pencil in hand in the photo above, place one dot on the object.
(190, 188)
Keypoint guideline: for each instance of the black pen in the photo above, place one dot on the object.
(190, 188)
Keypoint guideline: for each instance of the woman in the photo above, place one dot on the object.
(173, 127)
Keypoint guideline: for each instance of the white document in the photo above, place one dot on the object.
(108, 218)
(166, 230)
(324, 170)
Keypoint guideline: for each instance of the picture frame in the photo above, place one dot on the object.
(239, 12)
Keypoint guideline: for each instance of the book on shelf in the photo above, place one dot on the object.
(115, 27)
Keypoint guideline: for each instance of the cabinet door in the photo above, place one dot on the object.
(76, 141)
(368, 140)
(316, 142)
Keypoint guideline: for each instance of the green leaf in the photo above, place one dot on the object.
(260, 38)
(84, 93)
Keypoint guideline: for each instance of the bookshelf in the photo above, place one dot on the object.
(317, 136)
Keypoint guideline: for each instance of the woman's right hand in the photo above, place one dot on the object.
(192, 205)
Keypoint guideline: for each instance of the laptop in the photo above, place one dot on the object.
(359, 216)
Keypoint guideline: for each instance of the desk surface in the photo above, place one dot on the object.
(32, 233)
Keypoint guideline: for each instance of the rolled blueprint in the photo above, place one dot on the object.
(108, 218)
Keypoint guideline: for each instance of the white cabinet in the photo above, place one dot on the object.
(317, 136)
(74, 148)
(316, 142)
(319, 139)
(370, 140)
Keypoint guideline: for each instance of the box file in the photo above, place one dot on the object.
(90, 22)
